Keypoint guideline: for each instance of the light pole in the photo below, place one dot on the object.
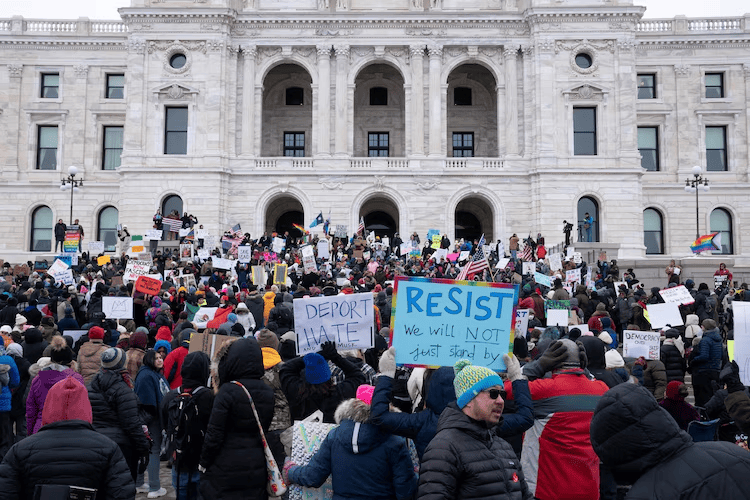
(70, 183)
(692, 186)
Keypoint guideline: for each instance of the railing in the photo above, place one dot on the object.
(5, 25)
(655, 26)
(683, 25)
(400, 163)
(52, 26)
(734, 24)
(108, 27)
(450, 163)
(83, 26)
(306, 163)
(360, 163)
(380, 163)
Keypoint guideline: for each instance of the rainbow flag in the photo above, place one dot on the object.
(708, 242)
(301, 229)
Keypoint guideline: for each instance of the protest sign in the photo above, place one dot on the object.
(204, 253)
(184, 232)
(661, 315)
(76, 334)
(96, 247)
(573, 275)
(146, 257)
(307, 437)
(340, 231)
(279, 274)
(201, 233)
(70, 244)
(440, 253)
(344, 319)
(103, 260)
(65, 277)
(278, 245)
(186, 251)
(208, 343)
(555, 262)
(153, 234)
(323, 249)
(57, 267)
(436, 322)
(259, 275)
(522, 322)
(678, 294)
(117, 307)
(529, 267)
(41, 265)
(502, 263)
(557, 304)
(742, 338)
(210, 241)
(219, 263)
(405, 247)
(569, 251)
(134, 269)
(618, 284)
(557, 317)
(543, 279)
(720, 280)
(436, 241)
(584, 329)
(308, 259)
(149, 286)
(636, 344)
(577, 258)
(244, 254)
(464, 255)
(203, 316)
(67, 259)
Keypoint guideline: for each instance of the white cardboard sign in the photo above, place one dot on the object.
(636, 344)
(661, 315)
(344, 319)
(117, 307)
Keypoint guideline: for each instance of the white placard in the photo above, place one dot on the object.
(323, 249)
(636, 344)
(344, 319)
(543, 279)
(584, 329)
(278, 245)
(405, 248)
(557, 317)
(308, 258)
(529, 267)
(555, 262)
(65, 277)
(134, 269)
(464, 255)
(577, 258)
(742, 338)
(219, 263)
(569, 252)
(244, 254)
(57, 267)
(502, 263)
(96, 247)
(440, 253)
(153, 234)
(573, 275)
(661, 315)
(678, 294)
(386, 241)
(522, 322)
(75, 334)
(210, 241)
(204, 253)
(201, 233)
(620, 283)
(117, 307)
(184, 232)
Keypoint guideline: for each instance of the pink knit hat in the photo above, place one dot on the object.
(364, 393)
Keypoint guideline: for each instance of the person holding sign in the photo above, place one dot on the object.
(724, 273)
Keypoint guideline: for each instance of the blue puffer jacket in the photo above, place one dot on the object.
(365, 462)
(15, 379)
(709, 352)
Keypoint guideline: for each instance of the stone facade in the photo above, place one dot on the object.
(516, 60)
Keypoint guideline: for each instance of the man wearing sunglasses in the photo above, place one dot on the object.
(466, 459)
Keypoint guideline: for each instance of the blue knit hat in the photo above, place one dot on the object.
(316, 368)
(163, 343)
(470, 380)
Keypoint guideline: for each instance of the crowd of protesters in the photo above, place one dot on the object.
(571, 418)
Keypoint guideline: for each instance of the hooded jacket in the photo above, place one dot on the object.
(90, 358)
(33, 345)
(173, 363)
(233, 451)
(642, 445)
(466, 460)
(14, 379)
(597, 364)
(674, 361)
(365, 462)
(709, 352)
(692, 328)
(40, 386)
(256, 305)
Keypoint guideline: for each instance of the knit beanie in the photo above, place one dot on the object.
(573, 358)
(266, 338)
(14, 349)
(96, 333)
(164, 333)
(317, 370)
(271, 358)
(231, 318)
(113, 359)
(20, 319)
(613, 359)
(162, 343)
(68, 399)
(365, 392)
(606, 338)
(60, 352)
(139, 340)
(470, 380)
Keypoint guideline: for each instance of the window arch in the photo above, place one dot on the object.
(107, 228)
(588, 207)
(653, 231)
(721, 222)
(41, 229)
(170, 203)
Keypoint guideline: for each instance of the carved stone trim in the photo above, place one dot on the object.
(304, 52)
(341, 51)
(137, 46)
(435, 51)
(510, 53)
(248, 51)
(15, 70)
(746, 70)
(682, 70)
(81, 70)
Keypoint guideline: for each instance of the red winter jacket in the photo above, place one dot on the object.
(175, 357)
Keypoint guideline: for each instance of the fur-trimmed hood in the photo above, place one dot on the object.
(353, 432)
(352, 409)
(239, 358)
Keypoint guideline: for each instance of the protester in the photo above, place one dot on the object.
(672, 354)
(136, 351)
(17, 401)
(173, 362)
(706, 362)
(90, 354)
(674, 402)
(9, 370)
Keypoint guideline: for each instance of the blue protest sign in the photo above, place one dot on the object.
(436, 322)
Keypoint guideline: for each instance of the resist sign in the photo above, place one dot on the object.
(347, 320)
(436, 322)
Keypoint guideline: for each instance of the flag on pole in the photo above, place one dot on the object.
(190, 236)
(477, 264)
(236, 230)
(527, 255)
(361, 226)
(173, 225)
(708, 242)
(318, 220)
(327, 224)
(300, 228)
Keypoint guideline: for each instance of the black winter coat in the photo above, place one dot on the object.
(643, 445)
(17, 403)
(33, 345)
(8, 315)
(255, 304)
(466, 460)
(674, 362)
(68, 452)
(115, 409)
(232, 450)
(595, 352)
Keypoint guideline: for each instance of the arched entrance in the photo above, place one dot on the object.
(588, 219)
(473, 219)
(287, 112)
(282, 213)
(381, 216)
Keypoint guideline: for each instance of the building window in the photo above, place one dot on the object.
(378, 96)
(588, 219)
(648, 145)
(646, 86)
(377, 144)
(112, 148)
(50, 85)
(584, 60)
(584, 131)
(716, 149)
(171, 203)
(177, 61)
(294, 144)
(107, 224)
(175, 131)
(714, 85)
(115, 86)
(46, 158)
(41, 230)
(295, 96)
(463, 144)
(462, 96)
(721, 222)
(653, 233)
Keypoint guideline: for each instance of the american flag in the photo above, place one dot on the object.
(173, 225)
(477, 264)
(361, 226)
(236, 230)
(527, 254)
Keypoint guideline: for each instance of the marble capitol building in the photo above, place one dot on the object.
(468, 116)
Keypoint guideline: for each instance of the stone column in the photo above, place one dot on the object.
(342, 68)
(417, 100)
(687, 142)
(248, 100)
(324, 100)
(436, 123)
(500, 132)
(746, 71)
(511, 101)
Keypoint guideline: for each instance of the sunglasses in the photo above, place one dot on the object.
(494, 393)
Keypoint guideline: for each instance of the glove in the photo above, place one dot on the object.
(142, 463)
(288, 464)
(328, 350)
(514, 368)
(553, 357)
(387, 363)
(582, 354)
(730, 376)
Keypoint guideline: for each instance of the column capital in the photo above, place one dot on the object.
(417, 50)
(15, 70)
(435, 51)
(248, 51)
(528, 50)
(510, 53)
(323, 50)
(341, 50)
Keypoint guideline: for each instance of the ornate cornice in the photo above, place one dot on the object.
(65, 44)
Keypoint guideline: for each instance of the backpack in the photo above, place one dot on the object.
(4, 375)
(710, 306)
(185, 432)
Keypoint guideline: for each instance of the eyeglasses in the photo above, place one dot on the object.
(494, 393)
